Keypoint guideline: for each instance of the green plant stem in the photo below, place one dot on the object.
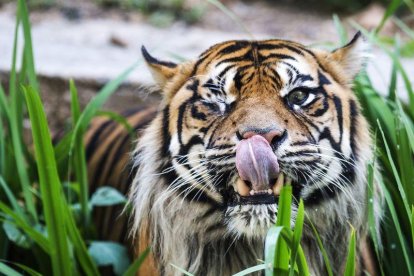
(281, 262)
(50, 186)
(16, 122)
(79, 162)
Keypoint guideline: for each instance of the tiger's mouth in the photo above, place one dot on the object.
(260, 179)
(244, 194)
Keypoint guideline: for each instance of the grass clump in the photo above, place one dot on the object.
(42, 230)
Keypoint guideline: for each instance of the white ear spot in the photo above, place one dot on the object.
(353, 57)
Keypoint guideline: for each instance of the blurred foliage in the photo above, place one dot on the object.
(163, 12)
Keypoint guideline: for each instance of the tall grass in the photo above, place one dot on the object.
(50, 231)
(40, 226)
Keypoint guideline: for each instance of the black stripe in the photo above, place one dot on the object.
(327, 192)
(195, 113)
(301, 152)
(238, 45)
(101, 163)
(225, 70)
(247, 56)
(265, 46)
(338, 108)
(121, 149)
(195, 194)
(150, 59)
(166, 137)
(278, 56)
(354, 126)
(93, 142)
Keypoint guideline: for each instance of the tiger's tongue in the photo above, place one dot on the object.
(256, 162)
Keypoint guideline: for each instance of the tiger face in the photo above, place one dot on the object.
(248, 116)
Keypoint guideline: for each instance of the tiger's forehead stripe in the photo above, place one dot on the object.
(263, 59)
(250, 51)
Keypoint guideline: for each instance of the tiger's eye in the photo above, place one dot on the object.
(297, 97)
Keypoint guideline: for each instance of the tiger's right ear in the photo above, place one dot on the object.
(162, 71)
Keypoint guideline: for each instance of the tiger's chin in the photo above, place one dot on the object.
(251, 221)
(250, 213)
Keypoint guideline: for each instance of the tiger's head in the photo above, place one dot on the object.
(243, 118)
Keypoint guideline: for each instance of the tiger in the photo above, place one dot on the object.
(233, 126)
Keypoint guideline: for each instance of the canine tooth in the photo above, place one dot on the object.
(242, 188)
(269, 191)
(279, 184)
(252, 192)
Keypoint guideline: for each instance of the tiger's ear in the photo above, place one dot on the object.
(352, 57)
(162, 71)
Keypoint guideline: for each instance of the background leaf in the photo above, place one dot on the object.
(107, 196)
(110, 253)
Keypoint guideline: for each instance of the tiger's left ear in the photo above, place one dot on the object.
(162, 71)
(350, 59)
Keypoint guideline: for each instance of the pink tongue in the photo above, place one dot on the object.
(256, 162)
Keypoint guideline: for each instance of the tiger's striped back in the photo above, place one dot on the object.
(108, 146)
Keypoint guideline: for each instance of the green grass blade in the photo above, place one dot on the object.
(7, 270)
(408, 124)
(12, 198)
(271, 242)
(251, 270)
(27, 228)
(62, 154)
(4, 104)
(392, 89)
(375, 107)
(412, 225)
(21, 166)
(396, 62)
(374, 232)
(96, 103)
(28, 47)
(13, 75)
(392, 7)
(133, 268)
(79, 161)
(404, 158)
(120, 120)
(406, 29)
(50, 186)
(396, 222)
(28, 270)
(302, 263)
(340, 29)
(4, 117)
(350, 260)
(297, 235)
(283, 219)
(16, 125)
(81, 252)
(406, 80)
(322, 249)
(182, 270)
(395, 172)
(2, 148)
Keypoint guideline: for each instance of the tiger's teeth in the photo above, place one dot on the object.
(252, 192)
(279, 184)
(242, 188)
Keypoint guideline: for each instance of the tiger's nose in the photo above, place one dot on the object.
(272, 136)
